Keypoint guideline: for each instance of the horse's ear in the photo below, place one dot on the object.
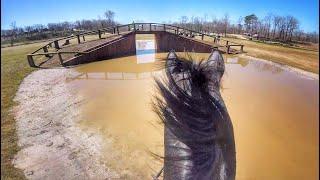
(216, 61)
(215, 57)
(173, 64)
(172, 55)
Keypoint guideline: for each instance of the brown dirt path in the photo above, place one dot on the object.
(52, 145)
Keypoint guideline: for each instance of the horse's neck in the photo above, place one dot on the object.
(184, 159)
(181, 163)
(174, 167)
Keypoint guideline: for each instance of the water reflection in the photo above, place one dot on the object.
(262, 66)
(274, 113)
(115, 76)
(236, 60)
(145, 51)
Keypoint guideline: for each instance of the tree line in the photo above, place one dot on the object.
(53, 30)
(271, 27)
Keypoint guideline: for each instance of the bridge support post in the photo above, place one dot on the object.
(45, 49)
(30, 61)
(78, 37)
(60, 59)
(56, 44)
(150, 27)
(99, 34)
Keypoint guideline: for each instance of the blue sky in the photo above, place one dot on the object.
(29, 12)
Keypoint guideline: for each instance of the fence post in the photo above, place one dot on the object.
(227, 43)
(78, 37)
(202, 36)
(129, 27)
(241, 50)
(99, 34)
(56, 44)
(150, 27)
(214, 39)
(30, 61)
(134, 26)
(177, 30)
(45, 49)
(164, 27)
(60, 58)
(228, 49)
(83, 38)
(114, 30)
(118, 30)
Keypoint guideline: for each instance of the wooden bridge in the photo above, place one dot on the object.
(120, 41)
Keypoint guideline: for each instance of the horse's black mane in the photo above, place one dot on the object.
(191, 108)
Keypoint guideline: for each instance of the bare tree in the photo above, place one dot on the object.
(240, 24)
(109, 17)
(267, 21)
(183, 21)
(225, 23)
(13, 32)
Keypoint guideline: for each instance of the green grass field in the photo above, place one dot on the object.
(14, 67)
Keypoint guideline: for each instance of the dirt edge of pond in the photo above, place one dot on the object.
(52, 145)
(302, 72)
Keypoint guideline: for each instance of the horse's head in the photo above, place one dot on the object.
(199, 140)
(194, 77)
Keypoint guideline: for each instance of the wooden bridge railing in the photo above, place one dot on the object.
(30, 57)
(118, 29)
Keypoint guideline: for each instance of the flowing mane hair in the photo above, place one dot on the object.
(197, 125)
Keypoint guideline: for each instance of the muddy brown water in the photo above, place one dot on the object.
(274, 113)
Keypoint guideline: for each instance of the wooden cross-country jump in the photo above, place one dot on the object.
(120, 41)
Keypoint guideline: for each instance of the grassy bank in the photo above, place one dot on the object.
(14, 68)
(306, 59)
